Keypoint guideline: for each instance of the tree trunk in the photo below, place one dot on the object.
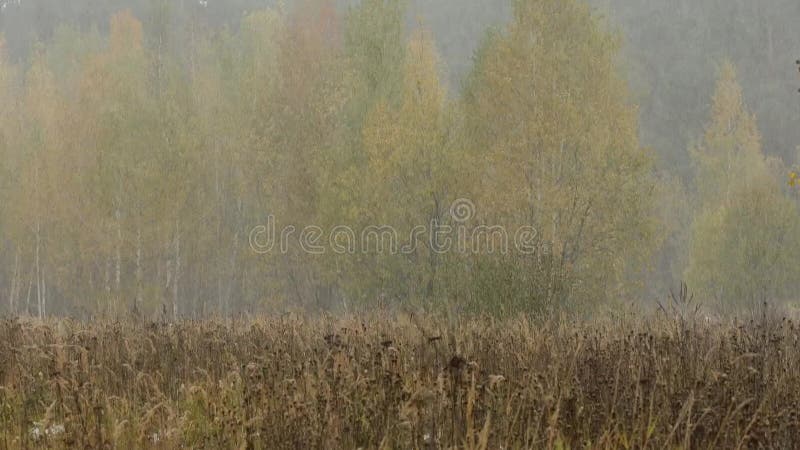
(220, 215)
(107, 282)
(37, 263)
(232, 278)
(30, 288)
(138, 305)
(44, 295)
(177, 276)
(12, 295)
(118, 262)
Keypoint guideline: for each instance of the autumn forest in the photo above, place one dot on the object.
(146, 152)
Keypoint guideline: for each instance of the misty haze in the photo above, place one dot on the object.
(433, 224)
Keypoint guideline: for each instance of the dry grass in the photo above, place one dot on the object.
(400, 382)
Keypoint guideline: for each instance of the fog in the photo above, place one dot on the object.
(194, 158)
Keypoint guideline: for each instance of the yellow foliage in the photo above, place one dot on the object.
(555, 134)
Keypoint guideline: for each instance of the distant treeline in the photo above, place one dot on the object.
(671, 50)
(136, 164)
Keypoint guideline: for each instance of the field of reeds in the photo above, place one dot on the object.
(401, 381)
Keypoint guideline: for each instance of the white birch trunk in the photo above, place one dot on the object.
(37, 263)
(138, 304)
(15, 281)
(107, 280)
(118, 260)
(44, 295)
(177, 275)
(232, 279)
(30, 289)
(13, 291)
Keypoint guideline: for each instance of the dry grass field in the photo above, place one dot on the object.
(401, 382)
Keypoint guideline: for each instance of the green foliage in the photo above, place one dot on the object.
(744, 252)
(136, 160)
(411, 174)
(730, 154)
(744, 236)
(374, 33)
(560, 144)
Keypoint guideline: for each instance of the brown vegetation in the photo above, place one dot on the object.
(400, 382)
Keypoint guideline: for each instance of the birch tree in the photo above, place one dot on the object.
(550, 115)
(745, 231)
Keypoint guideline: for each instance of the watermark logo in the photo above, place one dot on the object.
(455, 232)
(462, 210)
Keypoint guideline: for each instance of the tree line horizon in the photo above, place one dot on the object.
(133, 171)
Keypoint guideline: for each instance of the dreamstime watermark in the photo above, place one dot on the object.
(453, 233)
